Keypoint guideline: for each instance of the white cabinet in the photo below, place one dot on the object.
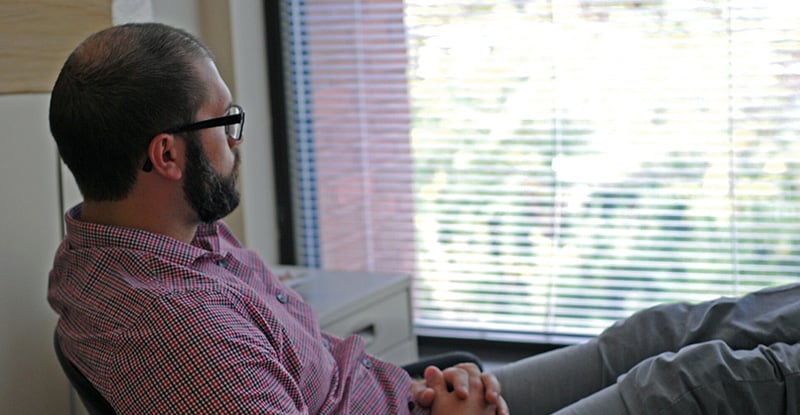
(375, 306)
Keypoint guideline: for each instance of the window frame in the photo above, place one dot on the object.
(282, 133)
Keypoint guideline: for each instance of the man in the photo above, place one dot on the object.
(160, 307)
(165, 312)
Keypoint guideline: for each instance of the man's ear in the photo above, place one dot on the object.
(165, 154)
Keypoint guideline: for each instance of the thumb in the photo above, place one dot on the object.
(434, 378)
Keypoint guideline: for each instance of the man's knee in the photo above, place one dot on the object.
(703, 375)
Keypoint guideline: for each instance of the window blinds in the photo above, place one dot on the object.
(544, 168)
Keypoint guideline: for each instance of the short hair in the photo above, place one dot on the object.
(118, 89)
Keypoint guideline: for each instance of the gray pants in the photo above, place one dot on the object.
(727, 356)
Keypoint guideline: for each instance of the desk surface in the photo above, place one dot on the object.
(335, 294)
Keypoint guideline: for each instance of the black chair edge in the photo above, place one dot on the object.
(93, 401)
(442, 361)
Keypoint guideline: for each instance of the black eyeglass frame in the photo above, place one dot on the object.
(225, 120)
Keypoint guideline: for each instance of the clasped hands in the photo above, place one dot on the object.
(461, 389)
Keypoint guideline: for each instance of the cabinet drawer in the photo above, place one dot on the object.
(382, 324)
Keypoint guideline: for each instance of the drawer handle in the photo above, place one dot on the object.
(367, 333)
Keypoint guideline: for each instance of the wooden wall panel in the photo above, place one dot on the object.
(36, 36)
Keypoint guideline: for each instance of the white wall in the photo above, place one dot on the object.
(31, 382)
(251, 90)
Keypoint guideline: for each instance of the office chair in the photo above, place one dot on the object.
(96, 404)
(92, 400)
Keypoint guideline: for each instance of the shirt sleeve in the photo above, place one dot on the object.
(195, 353)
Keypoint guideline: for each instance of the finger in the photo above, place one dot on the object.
(425, 398)
(492, 393)
(476, 380)
(428, 395)
(434, 379)
(422, 394)
(458, 379)
(417, 386)
(470, 367)
(502, 406)
(491, 387)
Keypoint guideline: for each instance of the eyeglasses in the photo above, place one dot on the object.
(233, 122)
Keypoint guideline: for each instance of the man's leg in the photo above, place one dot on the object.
(713, 378)
(707, 377)
(543, 383)
(606, 402)
(766, 317)
(550, 381)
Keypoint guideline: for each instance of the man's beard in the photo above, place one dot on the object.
(210, 194)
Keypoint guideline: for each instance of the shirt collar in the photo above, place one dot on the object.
(89, 235)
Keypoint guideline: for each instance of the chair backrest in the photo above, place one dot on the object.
(94, 402)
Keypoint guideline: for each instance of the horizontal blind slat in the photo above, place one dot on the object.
(548, 168)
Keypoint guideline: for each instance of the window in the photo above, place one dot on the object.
(544, 168)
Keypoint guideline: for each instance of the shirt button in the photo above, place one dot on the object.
(326, 344)
(367, 363)
(410, 406)
(282, 298)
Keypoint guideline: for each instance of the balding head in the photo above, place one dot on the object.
(117, 90)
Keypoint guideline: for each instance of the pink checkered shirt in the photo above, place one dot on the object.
(159, 326)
